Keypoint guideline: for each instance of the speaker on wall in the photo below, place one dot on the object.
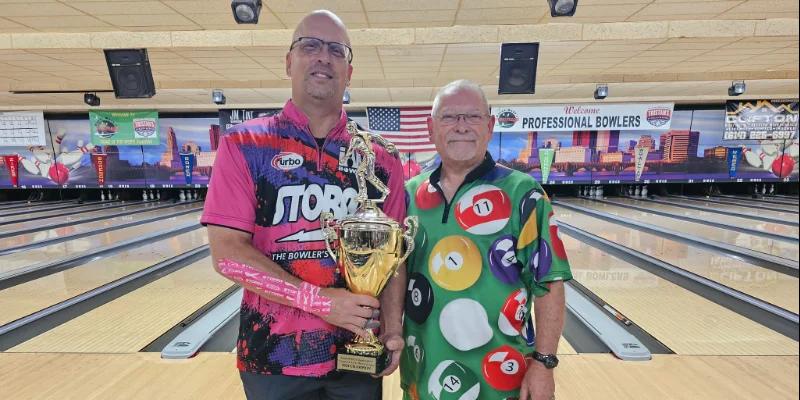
(518, 68)
(130, 73)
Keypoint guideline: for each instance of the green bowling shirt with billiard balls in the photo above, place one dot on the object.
(476, 264)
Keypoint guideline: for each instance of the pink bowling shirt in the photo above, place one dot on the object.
(272, 180)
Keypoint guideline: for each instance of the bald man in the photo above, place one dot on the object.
(272, 179)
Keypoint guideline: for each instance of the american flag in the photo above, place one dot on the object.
(406, 127)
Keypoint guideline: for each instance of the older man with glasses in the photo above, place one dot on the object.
(272, 179)
(487, 246)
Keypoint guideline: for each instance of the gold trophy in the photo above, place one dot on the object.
(370, 248)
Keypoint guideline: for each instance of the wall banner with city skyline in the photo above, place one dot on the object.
(692, 149)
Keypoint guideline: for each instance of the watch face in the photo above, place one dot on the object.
(551, 362)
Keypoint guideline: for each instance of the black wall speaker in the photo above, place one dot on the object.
(130, 73)
(518, 68)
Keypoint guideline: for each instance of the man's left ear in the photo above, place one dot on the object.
(491, 123)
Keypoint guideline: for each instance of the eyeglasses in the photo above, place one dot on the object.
(313, 46)
(452, 119)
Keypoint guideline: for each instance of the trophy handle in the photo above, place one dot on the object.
(329, 234)
(412, 225)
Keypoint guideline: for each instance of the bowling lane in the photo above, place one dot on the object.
(761, 226)
(760, 244)
(38, 205)
(743, 210)
(80, 227)
(779, 289)
(131, 322)
(27, 298)
(57, 251)
(763, 199)
(746, 203)
(685, 322)
(43, 215)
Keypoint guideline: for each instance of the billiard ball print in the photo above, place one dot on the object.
(504, 368)
(427, 196)
(451, 380)
(464, 324)
(513, 313)
(527, 216)
(503, 260)
(541, 261)
(455, 263)
(414, 357)
(483, 210)
(529, 332)
(419, 298)
(558, 245)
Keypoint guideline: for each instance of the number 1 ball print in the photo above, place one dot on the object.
(455, 263)
(427, 196)
(452, 381)
(504, 368)
(419, 298)
(483, 210)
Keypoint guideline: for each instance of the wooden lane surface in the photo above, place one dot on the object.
(214, 376)
(27, 298)
(760, 244)
(771, 286)
(85, 208)
(81, 227)
(685, 322)
(129, 323)
(67, 216)
(741, 222)
(57, 251)
(743, 210)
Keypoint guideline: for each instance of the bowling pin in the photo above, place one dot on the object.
(644, 192)
(771, 190)
(764, 189)
(194, 194)
(182, 196)
(58, 139)
(767, 160)
(102, 196)
(638, 192)
(752, 158)
(770, 148)
(600, 192)
(592, 191)
(793, 151)
(158, 195)
(144, 195)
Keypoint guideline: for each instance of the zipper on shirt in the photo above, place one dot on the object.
(447, 204)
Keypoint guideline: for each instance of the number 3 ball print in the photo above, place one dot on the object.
(483, 210)
(451, 381)
(455, 263)
(504, 368)
(419, 298)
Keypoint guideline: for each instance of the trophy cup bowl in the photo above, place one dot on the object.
(368, 249)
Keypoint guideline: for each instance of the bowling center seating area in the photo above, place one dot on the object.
(664, 133)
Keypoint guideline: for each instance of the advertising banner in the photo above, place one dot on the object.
(124, 128)
(577, 117)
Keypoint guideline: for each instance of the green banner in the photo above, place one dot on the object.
(546, 157)
(124, 128)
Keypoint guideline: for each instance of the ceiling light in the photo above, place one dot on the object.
(737, 88)
(246, 11)
(601, 92)
(562, 8)
(91, 99)
(218, 97)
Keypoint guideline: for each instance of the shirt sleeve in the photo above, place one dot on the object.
(539, 246)
(231, 200)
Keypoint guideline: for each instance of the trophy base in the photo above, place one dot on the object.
(373, 365)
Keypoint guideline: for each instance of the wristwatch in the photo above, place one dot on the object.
(550, 361)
